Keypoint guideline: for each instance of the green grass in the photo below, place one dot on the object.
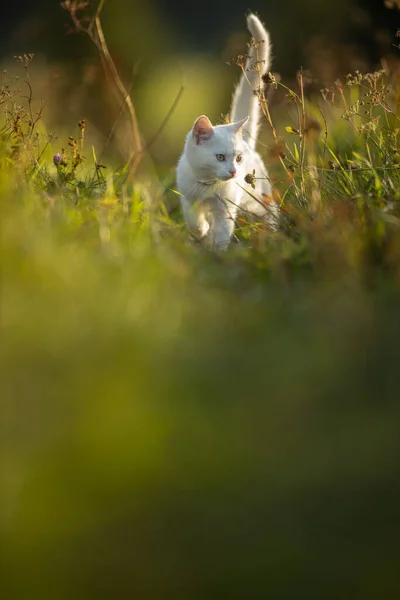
(185, 424)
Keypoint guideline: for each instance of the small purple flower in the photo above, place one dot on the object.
(57, 159)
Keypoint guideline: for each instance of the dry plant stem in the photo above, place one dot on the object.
(302, 130)
(325, 132)
(133, 160)
(166, 118)
(312, 166)
(26, 59)
(29, 98)
(96, 35)
(102, 45)
(82, 139)
(265, 109)
(50, 138)
(27, 139)
(243, 210)
(347, 108)
(261, 96)
(358, 169)
(139, 148)
(253, 196)
(113, 129)
(320, 181)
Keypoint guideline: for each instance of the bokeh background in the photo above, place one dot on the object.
(160, 44)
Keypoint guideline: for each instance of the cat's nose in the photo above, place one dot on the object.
(233, 173)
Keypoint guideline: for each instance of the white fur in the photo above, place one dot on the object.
(244, 101)
(211, 193)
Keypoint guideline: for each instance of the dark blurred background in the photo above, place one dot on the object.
(159, 44)
(204, 26)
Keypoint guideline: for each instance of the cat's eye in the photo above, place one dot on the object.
(220, 157)
(239, 158)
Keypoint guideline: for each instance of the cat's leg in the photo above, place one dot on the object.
(223, 224)
(195, 218)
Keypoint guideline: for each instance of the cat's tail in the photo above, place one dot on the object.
(244, 102)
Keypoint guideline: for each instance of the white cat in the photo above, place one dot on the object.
(212, 169)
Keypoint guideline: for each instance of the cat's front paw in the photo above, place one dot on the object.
(198, 230)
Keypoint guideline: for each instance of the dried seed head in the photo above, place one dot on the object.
(240, 60)
(57, 159)
(269, 78)
(250, 178)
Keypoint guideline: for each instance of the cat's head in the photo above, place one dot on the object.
(215, 152)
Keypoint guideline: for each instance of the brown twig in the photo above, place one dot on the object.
(302, 129)
(95, 32)
(102, 45)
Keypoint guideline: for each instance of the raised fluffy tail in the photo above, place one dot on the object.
(244, 102)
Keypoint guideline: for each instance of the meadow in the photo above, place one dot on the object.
(181, 423)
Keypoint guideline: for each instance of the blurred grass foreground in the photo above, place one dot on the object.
(183, 424)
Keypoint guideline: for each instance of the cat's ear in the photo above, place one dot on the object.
(202, 129)
(238, 125)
